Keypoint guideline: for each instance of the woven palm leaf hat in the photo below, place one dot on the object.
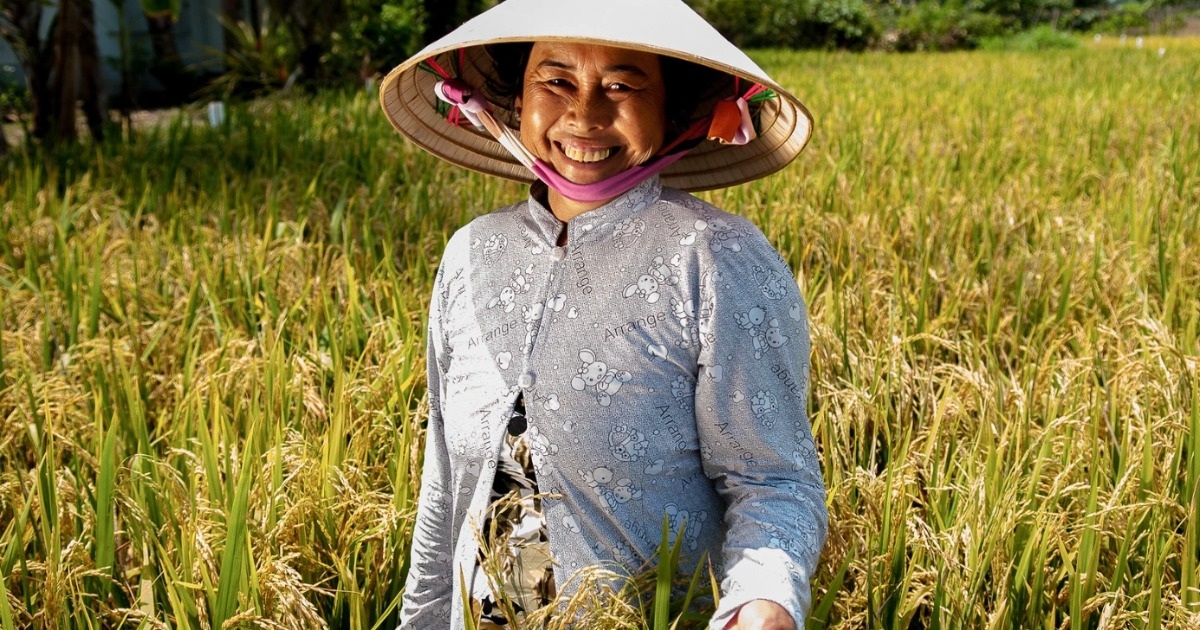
(665, 27)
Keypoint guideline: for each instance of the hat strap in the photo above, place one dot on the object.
(459, 94)
(730, 123)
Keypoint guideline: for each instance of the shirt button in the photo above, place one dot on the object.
(558, 253)
(526, 380)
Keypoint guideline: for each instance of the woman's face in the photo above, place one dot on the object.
(592, 111)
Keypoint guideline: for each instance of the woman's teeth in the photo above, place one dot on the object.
(590, 155)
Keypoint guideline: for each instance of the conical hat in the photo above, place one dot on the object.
(665, 27)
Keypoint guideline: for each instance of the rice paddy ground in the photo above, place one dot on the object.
(211, 351)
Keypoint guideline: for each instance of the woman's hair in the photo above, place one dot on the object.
(691, 89)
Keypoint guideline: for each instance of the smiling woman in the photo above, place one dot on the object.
(691, 88)
(591, 112)
(556, 447)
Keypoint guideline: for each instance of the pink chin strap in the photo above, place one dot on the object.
(609, 187)
(465, 101)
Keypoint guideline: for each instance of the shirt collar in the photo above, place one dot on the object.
(587, 226)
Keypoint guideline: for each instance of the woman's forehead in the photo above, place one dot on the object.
(580, 57)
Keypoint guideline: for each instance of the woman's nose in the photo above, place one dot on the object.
(590, 110)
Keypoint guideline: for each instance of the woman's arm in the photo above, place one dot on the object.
(757, 445)
(428, 588)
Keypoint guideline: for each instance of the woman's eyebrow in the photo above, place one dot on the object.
(628, 69)
(619, 68)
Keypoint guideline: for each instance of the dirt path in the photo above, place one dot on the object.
(142, 119)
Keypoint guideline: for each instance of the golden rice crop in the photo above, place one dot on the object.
(211, 352)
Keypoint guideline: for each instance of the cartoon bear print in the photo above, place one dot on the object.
(722, 236)
(626, 231)
(684, 391)
(612, 493)
(767, 335)
(626, 443)
(800, 543)
(508, 295)
(685, 313)
(765, 406)
(595, 376)
(540, 446)
(664, 272)
(532, 315)
(646, 288)
(805, 452)
(770, 282)
(678, 519)
(493, 248)
(658, 274)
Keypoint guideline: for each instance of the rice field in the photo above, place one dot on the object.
(211, 358)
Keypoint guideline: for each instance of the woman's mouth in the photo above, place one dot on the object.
(587, 156)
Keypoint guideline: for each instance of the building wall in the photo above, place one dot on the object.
(198, 35)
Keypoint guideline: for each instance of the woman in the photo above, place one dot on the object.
(611, 351)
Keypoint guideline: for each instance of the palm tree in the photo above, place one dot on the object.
(61, 69)
(168, 66)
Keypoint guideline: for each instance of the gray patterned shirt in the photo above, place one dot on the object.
(663, 358)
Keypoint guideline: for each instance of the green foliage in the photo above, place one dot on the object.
(365, 37)
(1126, 17)
(162, 7)
(933, 26)
(792, 23)
(378, 35)
(1042, 37)
(258, 63)
(897, 25)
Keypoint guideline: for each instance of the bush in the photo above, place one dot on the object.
(1125, 18)
(1044, 37)
(358, 38)
(930, 26)
(378, 35)
(792, 23)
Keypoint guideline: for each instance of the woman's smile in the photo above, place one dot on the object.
(586, 155)
(591, 112)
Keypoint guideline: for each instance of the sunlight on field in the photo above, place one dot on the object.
(1151, 43)
(212, 355)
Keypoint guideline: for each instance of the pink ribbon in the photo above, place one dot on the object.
(463, 98)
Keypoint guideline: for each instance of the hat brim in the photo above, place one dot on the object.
(408, 98)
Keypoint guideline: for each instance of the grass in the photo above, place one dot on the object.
(211, 352)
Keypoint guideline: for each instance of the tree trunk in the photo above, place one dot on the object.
(59, 70)
(95, 101)
(167, 66)
(41, 95)
(65, 81)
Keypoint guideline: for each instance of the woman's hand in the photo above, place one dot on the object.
(761, 614)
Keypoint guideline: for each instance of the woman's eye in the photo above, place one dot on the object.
(618, 87)
(558, 82)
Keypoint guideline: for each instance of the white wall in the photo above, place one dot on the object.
(198, 34)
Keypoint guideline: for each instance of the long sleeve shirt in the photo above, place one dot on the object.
(663, 357)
